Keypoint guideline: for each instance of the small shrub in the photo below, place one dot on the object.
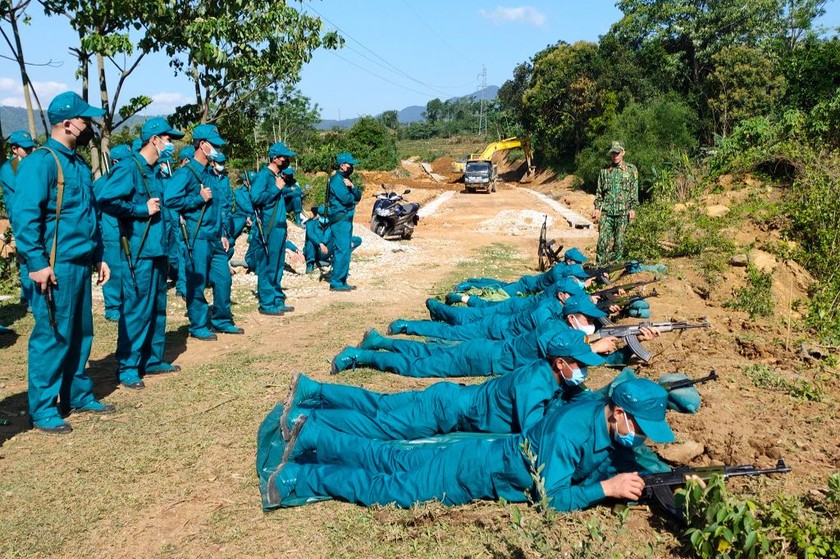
(763, 377)
(755, 297)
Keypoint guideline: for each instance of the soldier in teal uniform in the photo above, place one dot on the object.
(318, 246)
(177, 251)
(110, 227)
(616, 200)
(293, 196)
(268, 197)
(505, 404)
(342, 196)
(478, 357)
(585, 454)
(21, 145)
(133, 196)
(199, 201)
(58, 250)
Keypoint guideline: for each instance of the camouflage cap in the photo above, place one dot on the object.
(616, 147)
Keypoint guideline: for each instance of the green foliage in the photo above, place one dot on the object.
(372, 144)
(755, 297)
(8, 264)
(763, 377)
(720, 526)
(723, 526)
(655, 135)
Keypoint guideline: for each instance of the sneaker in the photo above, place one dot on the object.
(53, 426)
(283, 308)
(270, 312)
(346, 359)
(307, 389)
(397, 327)
(310, 269)
(281, 484)
(371, 340)
(204, 334)
(134, 384)
(95, 406)
(343, 287)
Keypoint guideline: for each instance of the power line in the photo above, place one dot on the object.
(388, 64)
(378, 76)
(435, 33)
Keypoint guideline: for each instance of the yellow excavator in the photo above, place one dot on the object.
(479, 170)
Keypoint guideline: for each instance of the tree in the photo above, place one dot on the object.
(372, 144)
(12, 12)
(234, 50)
(434, 108)
(390, 119)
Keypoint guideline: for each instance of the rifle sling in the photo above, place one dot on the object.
(149, 195)
(59, 201)
(203, 209)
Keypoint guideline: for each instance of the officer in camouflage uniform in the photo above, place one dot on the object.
(616, 199)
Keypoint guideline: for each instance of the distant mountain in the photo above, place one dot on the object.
(413, 113)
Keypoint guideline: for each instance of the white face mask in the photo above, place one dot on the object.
(587, 329)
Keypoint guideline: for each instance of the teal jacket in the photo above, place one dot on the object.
(132, 183)
(183, 194)
(35, 201)
(341, 203)
(220, 185)
(7, 180)
(108, 224)
(269, 200)
(318, 233)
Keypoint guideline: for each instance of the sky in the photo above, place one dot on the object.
(397, 52)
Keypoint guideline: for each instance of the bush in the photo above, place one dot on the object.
(755, 297)
(654, 134)
(372, 144)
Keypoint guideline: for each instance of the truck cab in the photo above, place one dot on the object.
(480, 174)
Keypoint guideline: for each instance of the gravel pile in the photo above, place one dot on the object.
(515, 223)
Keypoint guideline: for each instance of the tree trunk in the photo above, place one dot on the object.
(24, 75)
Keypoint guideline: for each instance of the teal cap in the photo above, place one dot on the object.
(209, 133)
(570, 286)
(288, 171)
(576, 255)
(158, 126)
(568, 343)
(345, 157)
(67, 105)
(120, 151)
(582, 304)
(187, 152)
(646, 402)
(616, 147)
(21, 138)
(576, 271)
(280, 150)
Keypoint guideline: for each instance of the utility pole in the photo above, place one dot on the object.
(482, 117)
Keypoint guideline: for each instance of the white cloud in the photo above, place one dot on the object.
(522, 14)
(45, 90)
(165, 102)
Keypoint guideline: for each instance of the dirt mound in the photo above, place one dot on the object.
(443, 165)
(516, 223)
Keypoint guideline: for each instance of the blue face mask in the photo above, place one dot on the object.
(167, 151)
(631, 439)
(578, 376)
(213, 154)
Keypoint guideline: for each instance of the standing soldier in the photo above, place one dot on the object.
(22, 145)
(58, 238)
(205, 248)
(616, 199)
(133, 197)
(268, 195)
(341, 207)
(110, 228)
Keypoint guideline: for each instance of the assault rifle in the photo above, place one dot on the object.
(257, 218)
(126, 247)
(623, 301)
(548, 256)
(182, 224)
(675, 384)
(602, 274)
(610, 293)
(660, 487)
(630, 333)
(48, 296)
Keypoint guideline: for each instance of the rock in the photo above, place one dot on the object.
(763, 261)
(739, 260)
(718, 210)
(682, 453)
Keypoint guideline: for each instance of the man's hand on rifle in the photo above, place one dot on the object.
(624, 486)
(154, 205)
(43, 277)
(614, 309)
(604, 345)
(323, 248)
(647, 334)
(103, 273)
(206, 193)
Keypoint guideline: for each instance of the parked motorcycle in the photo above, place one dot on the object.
(392, 217)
